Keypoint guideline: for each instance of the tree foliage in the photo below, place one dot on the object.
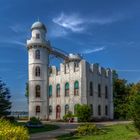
(5, 103)
(135, 111)
(83, 113)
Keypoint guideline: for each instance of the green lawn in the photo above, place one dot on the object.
(47, 127)
(114, 132)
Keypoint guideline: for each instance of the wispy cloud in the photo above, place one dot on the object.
(88, 51)
(72, 22)
(18, 28)
(78, 24)
(56, 31)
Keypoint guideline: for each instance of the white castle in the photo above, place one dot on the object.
(52, 92)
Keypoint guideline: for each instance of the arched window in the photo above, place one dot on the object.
(37, 109)
(106, 92)
(91, 88)
(91, 107)
(67, 89)
(37, 91)
(50, 90)
(58, 90)
(99, 90)
(76, 88)
(50, 109)
(37, 36)
(58, 111)
(37, 54)
(37, 71)
(106, 110)
(66, 109)
(99, 110)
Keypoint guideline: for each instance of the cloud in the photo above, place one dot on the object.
(88, 51)
(78, 24)
(72, 22)
(56, 31)
(18, 28)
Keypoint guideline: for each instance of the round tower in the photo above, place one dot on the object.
(38, 60)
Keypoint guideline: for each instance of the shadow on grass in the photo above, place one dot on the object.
(45, 128)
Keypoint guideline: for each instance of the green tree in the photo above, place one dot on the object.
(5, 104)
(120, 97)
(135, 111)
(83, 113)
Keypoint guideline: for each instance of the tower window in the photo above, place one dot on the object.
(99, 110)
(106, 92)
(76, 88)
(66, 109)
(37, 109)
(58, 90)
(37, 71)
(99, 90)
(37, 36)
(37, 91)
(67, 89)
(91, 88)
(50, 90)
(37, 54)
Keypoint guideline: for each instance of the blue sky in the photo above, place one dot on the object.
(103, 31)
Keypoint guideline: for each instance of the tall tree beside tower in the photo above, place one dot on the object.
(5, 103)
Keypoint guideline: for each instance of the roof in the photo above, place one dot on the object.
(38, 25)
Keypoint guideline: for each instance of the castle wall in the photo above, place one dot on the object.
(84, 73)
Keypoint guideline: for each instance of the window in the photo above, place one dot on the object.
(99, 90)
(37, 91)
(91, 88)
(37, 36)
(76, 88)
(37, 71)
(37, 109)
(66, 109)
(99, 110)
(91, 107)
(50, 109)
(58, 90)
(67, 89)
(50, 90)
(37, 54)
(106, 110)
(106, 92)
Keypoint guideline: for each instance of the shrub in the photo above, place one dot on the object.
(87, 129)
(83, 113)
(9, 118)
(34, 120)
(9, 131)
(68, 116)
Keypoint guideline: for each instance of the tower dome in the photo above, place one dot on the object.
(38, 25)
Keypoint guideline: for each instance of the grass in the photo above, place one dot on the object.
(114, 132)
(47, 127)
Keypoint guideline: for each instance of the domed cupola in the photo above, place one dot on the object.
(38, 25)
